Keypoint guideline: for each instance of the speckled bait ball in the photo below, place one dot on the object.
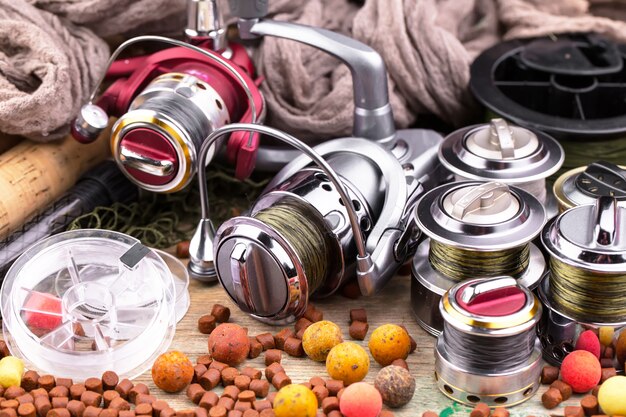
(295, 400)
(388, 343)
(611, 396)
(319, 338)
(396, 385)
(581, 370)
(347, 362)
(229, 343)
(360, 400)
(172, 371)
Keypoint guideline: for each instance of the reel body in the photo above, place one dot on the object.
(583, 185)
(486, 321)
(587, 263)
(473, 229)
(167, 104)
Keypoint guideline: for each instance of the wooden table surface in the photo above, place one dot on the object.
(392, 305)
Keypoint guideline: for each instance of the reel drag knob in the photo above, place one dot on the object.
(581, 186)
(488, 351)
(90, 123)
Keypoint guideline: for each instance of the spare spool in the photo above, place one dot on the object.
(570, 86)
(583, 185)
(498, 151)
(487, 351)
(83, 302)
(587, 248)
(474, 229)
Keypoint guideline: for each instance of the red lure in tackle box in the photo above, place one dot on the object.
(82, 302)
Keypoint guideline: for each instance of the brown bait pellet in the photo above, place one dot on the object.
(27, 410)
(401, 363)
(126, 413)
(334, 386)
(320, 392)
(386, 413)
(139, 388)
(247, 396)
(500, 412)
(251, 413)
(195, 393)
(59, 402)
(226, 402)
(351, 290)
(300, 334)
(242, 406)
(12, 403)
(329, 404)
(208, 400)
(220, 366)
(29, 380)
(551, 398)
(339, 393)
(316, 380)
(8, 412)
(293, 347)
(204, 360)
(272, 370)
(260, 405)
(235, 413)
(480, 410)
(145, 399)
(413, 344)
(124, 387)
(270, 397)
(200, 412)
(13, 392)
(109, 380)
(256, 348)
(158, 406)
(566, 390)
(76, 391)
(119, 404)
(94, 384)
(307, 384)
(186, 413)
(221, 313)
(609, 352)
(228, 376)
(429, 414)
(273, 356)
(38, 392)
(108, 396)
(218, 411)
(64, 382)
(266, 340)
(251, 373)
(42, 405)
(549, 374)
(242, 382)
(4, 349)
(109, 412)
(589, 403)
(168, 412)
(302, 323)
(210, 379)
(260, 387)
(198, 371)
(26, 398)
(91, 398)
(573, 411)
(312, 314)
(144, 409)
(268, 412)
(182, 249)
(280, 380)
(231, 391)
(606, 363)
(595, 391)
(206, 324)
(281, 336)
(607, 373)
(92, 411)
(76, 408)
(46, 382)
(59, 391)
(358, 330)
(358, 314)
(58, 412)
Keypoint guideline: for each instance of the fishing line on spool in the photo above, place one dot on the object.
(486, 353)
(293, 221)
(460, 264)
(578, 290)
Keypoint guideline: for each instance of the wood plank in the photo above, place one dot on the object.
(392, 305)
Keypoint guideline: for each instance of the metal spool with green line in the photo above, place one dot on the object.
(571, 86)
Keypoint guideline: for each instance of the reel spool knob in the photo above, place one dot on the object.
(497, 297)
(90, 123)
